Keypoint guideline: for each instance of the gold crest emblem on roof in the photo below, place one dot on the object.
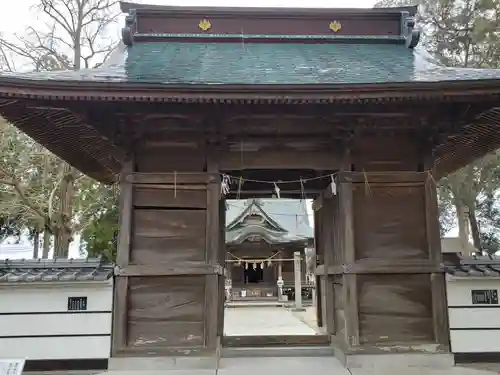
(205, 25)
(335, 26)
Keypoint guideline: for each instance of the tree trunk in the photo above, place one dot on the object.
(63, 234)
(46, 244)
(463, 232)
(474, 226)
(36, 243)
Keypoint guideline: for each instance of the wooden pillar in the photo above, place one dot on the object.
(119, 339)
(325, 208)
(349, 281)
(318, 251)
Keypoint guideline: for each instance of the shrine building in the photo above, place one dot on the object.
(262, 236)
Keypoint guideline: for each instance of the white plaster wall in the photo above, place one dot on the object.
(53, 297)
(474, 317)
(473, 328)
(53, 348)
(458, 291)
(35, 323)
(480, 341)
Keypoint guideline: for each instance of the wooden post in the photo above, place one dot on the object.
(214, 284)
(298, 281)
(119, 339)
(438, 287)
(349, 256)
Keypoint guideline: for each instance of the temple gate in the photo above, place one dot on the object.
(341, 99)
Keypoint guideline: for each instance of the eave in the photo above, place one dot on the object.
(20, 88)
(100, 158)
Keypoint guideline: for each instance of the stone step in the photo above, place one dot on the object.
(278, 351)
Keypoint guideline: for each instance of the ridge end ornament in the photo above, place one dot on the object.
(205, 25)
(335, 26)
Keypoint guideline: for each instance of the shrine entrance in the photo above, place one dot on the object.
(269, 245)
(331, 105)
(376, 237)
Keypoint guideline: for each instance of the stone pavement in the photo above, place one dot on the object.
(300, 366)
(294, 366)
(263, 321)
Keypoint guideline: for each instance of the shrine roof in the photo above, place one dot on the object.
(289, 220)
(242, 56)
(240, 63)
(54, 270)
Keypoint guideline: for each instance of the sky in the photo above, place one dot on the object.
(17, 15)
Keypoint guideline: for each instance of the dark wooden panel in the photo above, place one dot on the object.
(395, 308)
(151, 250)
(168, 236)
(169, 223)
(383, 25)
(172, 179)
(163, 159)
(166, 311)
(390, 222)
(382, 153)
(178, 198)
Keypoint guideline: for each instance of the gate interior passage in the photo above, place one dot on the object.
(338, 97)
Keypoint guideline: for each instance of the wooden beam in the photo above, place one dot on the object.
(392, 178)
(263, 341)
(184, 268)
(175, 178)
(162, 351)
(381, 266)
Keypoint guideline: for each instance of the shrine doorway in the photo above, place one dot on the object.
(253, 275)
(270, 260)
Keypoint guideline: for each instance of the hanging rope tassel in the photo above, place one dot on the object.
(333, 185)
(277, 190)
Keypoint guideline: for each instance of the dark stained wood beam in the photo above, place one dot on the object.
(277, 160)
(186, 268)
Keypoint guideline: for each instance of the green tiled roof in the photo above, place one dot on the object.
(269, 63)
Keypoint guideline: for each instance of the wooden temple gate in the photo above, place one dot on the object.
(377, 236)
(184, 100)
